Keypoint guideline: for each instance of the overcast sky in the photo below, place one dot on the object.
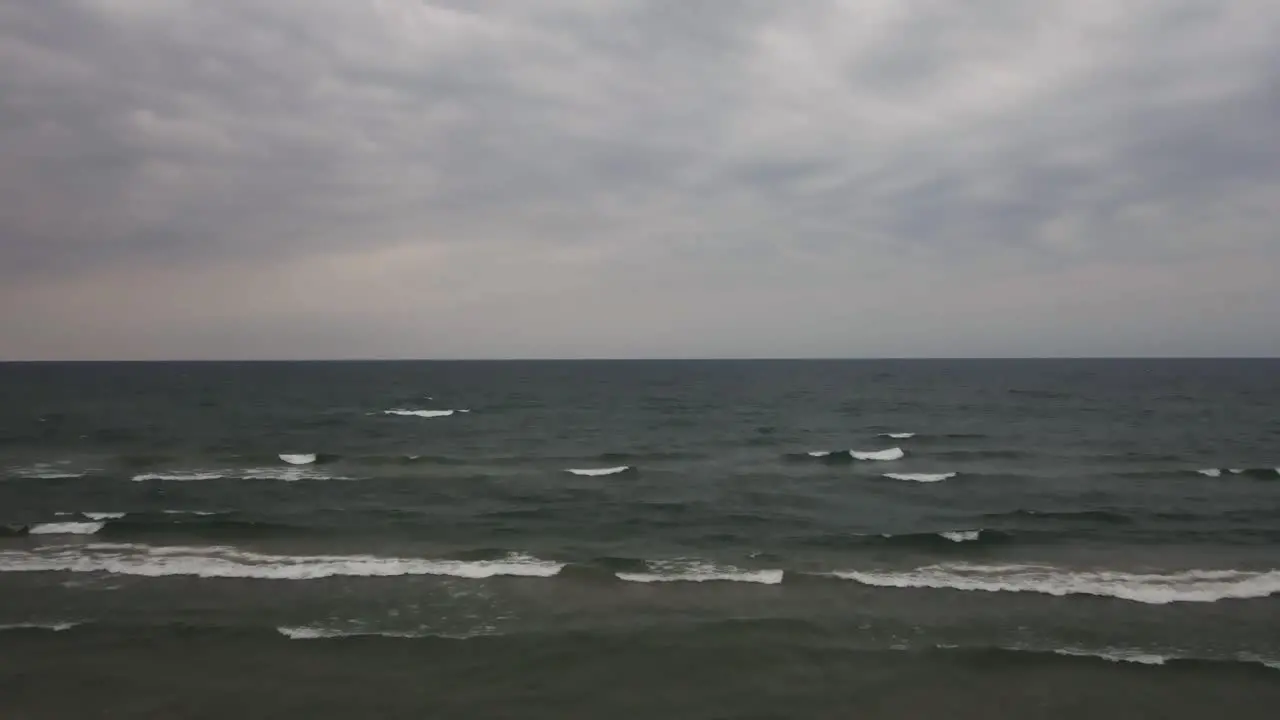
(600, 178)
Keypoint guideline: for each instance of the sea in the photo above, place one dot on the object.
(640, 539)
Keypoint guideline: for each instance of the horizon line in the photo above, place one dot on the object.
(833, 358)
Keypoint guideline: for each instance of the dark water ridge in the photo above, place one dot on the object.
(730, 633)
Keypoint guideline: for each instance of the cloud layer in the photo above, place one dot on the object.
(570, 178)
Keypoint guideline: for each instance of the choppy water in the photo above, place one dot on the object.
(1085, 518)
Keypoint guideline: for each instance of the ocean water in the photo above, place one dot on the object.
(712, 539)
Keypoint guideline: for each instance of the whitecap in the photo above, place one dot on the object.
(898, 435)
(890, 454)
(104, 515)
(226, 562)
(66, 528)
(1211, 472)
(697, 571)
(1155, 589)
(594, 472)
(819, 453)
(298, 458)
(962, 535)
(189, 512)
(921, 477)
(422, 413)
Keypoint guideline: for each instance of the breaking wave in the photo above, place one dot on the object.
(595, 472)
(898, 435)
(1155, 589)
(422, 413)
(889, 454)
(66, 528)
(299, 459)
(1261, 472)
(921, 477)
(226, 562)
(698, 571)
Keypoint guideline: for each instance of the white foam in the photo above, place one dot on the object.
(180, 476)
(962, 535)
(47, 471)
(819, 453)
(697, 571)
(66, 528)
(322, 633)
(890, 454)
(920, 477)
(56, 627)
(226, 562)
(595, 472)
(1211, 472)
(286, 474)
(1186, 586)
(898, 435)
(189, 512)
(1117, 655)
(298, 459)
(104, 515)
(422, 413)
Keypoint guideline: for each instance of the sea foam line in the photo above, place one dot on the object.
(226, 562)
(697, 571)
(1154, 589)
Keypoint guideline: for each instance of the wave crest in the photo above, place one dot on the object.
(226, 562)
(1153, 589)
(921, 477)
(596, 472)
(66, 528)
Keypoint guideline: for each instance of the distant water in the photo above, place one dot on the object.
(666, 539)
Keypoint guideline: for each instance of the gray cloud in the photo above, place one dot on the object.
(328, 178)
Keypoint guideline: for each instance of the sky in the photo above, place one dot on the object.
(310, 179)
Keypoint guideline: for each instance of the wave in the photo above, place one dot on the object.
(1259, 472)
(104, 515)
(423, 413)
(47, 471)
(595, 472)
(889, 454)
(698, 571)
(285, 474)
(299, 459)
(226, 562)
(944, 538)
(993, 454)
(66, 528)
(304, 632)
(1106, 516)
(849, 455)
(52, 627)
(898, 435)
(1154, 589)
(921, 477)
(1117, 655)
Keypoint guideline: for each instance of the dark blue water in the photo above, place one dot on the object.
(966, 521)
